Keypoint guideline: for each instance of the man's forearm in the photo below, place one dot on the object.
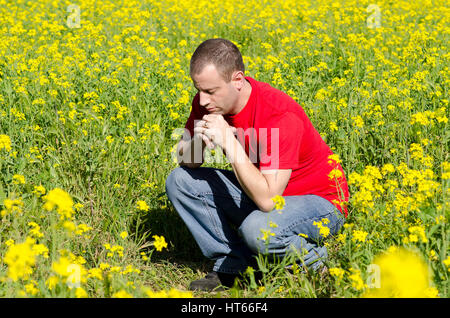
(250, 178)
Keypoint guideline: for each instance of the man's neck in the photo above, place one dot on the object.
(244, 96)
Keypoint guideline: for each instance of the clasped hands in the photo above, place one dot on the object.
(215, 131)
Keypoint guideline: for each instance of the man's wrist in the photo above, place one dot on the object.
(229, 139)
(234, 151)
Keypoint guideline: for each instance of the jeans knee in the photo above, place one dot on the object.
(175, 180)
(255, 235)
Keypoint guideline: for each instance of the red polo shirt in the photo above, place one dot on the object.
(277, 134)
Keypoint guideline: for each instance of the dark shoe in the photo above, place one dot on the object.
(213, 281)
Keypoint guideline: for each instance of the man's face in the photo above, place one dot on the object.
(216, 95)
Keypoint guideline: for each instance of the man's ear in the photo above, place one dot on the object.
(238, 79)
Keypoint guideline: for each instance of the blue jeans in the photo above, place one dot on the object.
(229, 228)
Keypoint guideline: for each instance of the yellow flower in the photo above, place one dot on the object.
(142, 205)
(61, 266)
(82, 228)
(356, 280)
(40, 249)
(416, 233)
(114, 249)
(39, 190)
(358, 121)
(20, 259)
(447, 262)
(273, 224)
(5, 142)
(13, 206)
(266, 234)
(159, 243)
(80, 293)
(324, 231)
(333, 126)
(403, 273)
(104, 266)
(279, 202)
(337, 272)
(359, 236)
(31, 288)
(123, 234)
(60, 199)
(156, 128)
(174, 115)
(387, 168)
(175, 293)
(51, 282)
(35, 229)
(335, 174)
(334, 159)
(9, 242)
(18, 179)
(96, 273)
(69, 226)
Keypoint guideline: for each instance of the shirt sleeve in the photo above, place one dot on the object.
(195, 114)
(279, 148)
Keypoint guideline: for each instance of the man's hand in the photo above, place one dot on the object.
(199, 132)
(216, 130)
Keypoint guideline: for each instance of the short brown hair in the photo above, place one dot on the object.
(223, 54)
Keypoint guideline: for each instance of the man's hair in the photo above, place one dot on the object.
(223, 54)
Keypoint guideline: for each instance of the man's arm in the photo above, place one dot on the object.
(260, 187)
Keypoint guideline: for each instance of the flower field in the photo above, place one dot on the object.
(92, 98)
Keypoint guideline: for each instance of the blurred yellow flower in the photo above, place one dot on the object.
(80, 293)
(447, 263)
(12, 206)
(5, 142)
(20, 259)
(356, 279)
(60, 199)
(403, 274)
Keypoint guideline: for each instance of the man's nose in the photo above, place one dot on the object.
(204, 99)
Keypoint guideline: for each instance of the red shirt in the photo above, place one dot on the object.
(277, 134)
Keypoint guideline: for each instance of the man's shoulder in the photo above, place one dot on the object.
(275, 101)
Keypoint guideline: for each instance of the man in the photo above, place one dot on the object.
(277, 152)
